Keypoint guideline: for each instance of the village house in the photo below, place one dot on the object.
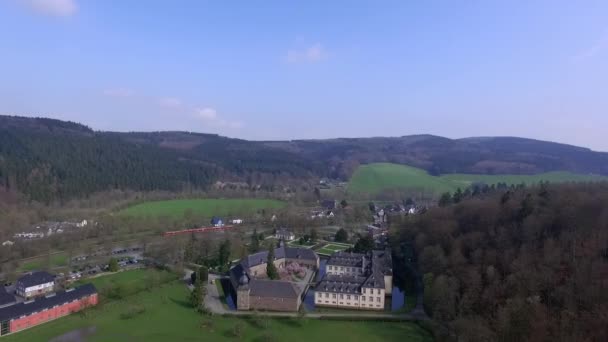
(284, 234)
(35, 284)
(217, 222)
(254, 291)
(356, 281)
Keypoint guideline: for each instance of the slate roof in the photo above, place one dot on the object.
(273, 288)
(23, 309)
(375, 266)
(347, 259)
(341, 284)
(5, 297)
(279, 253)
(35, 278)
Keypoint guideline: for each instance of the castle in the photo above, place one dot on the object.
(254, 291)
(356, 281)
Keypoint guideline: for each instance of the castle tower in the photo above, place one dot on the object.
(242, 293)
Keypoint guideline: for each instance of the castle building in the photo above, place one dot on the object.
(356, 281)
(254, 291)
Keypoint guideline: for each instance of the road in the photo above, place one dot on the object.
(214, 304)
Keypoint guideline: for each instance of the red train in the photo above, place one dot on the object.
(198, 230)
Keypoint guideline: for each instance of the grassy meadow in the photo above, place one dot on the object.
(163, 314)
(374, 178)
(40, 263)
(201, 207)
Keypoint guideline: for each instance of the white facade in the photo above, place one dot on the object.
(32, 291)
(343, 270)
(368, 299)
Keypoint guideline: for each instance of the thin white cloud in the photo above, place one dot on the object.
(59, 8)
(206, 114)
(170, 102)
(210, 117)
(598, 46)
(312, 54)
(118, 92)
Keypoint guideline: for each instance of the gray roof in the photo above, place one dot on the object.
(347, 259)
(375, 266)
(279, 253)
(36, 278)
(5, 297)
(59, 298)
(273, 288)
(341, 284)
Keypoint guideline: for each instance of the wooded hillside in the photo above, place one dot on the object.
(523, 265)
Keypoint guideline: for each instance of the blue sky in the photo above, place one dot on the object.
(312, 69)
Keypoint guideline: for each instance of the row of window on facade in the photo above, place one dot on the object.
(342, 268)
(356, 304)
(371, 299)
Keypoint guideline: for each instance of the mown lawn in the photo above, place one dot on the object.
(163, 314)
(377, 177)
(131, 281)
(201, 207)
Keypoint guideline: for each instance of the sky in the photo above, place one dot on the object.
(312, 69)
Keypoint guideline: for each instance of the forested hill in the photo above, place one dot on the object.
(523, 265)
(49, 159)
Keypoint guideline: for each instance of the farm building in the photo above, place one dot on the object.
(27, 314)
(35, 284)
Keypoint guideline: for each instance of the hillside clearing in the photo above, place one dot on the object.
(375, 178)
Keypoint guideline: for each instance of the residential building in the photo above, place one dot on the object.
(35, 284)
(356, 281)
(254, 291)
(217, 222)
(285, 234)
(30, 313)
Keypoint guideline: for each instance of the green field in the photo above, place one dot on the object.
(55, 260)
(332, 248)
(201, 207)
(131, 281)
(375, 178)
(165, 315)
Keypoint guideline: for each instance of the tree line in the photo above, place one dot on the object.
(523, 264)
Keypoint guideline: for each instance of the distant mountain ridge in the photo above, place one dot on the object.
(49, 159)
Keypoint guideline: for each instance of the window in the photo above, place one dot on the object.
(356, 297)
(363, 298)
(341, 296)
(329, 267)
(341, 268)
(334, 296)
(326, 295)
(363, 290)
(378, 299)
(348, 297)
